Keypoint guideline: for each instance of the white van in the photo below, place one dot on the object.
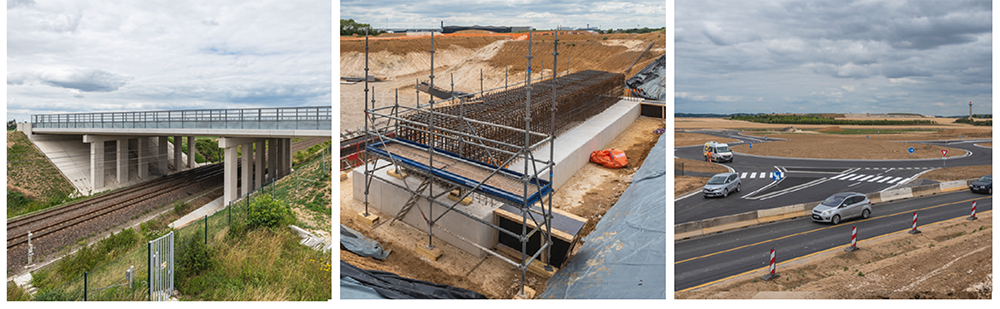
(717, 152)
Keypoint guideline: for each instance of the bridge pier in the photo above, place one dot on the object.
(191, 154)
(247, 171)
(143, 161)
(122, 165)
(272, 158)
(231, 172)
(258, 163)
(161, 154)
(97, 165)
(178, 153)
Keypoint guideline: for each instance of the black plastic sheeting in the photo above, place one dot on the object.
(357, 283)
(625, 256)
(650, 81)
(361, 245)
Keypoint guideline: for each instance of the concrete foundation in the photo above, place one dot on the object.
(389, 199)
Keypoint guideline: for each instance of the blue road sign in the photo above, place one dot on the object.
(775, 176)
(866, 136)
(910, 150)
(751, 145)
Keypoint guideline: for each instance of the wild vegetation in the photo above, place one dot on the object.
(808, 119)
(33, 183)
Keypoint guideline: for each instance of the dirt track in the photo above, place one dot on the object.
(952, 259)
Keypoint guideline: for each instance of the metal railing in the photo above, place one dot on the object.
(288, 118)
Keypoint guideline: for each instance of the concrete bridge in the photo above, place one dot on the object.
(138, 141)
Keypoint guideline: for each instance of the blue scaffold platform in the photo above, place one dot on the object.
(505, 185)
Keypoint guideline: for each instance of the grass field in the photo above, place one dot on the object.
(33, 183)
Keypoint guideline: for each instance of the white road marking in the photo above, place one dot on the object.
(895, 179)
(838, 176)
(874, 179)
(884, 179)
(865, 178)
(744, 175)
(753, 175)
(856, 177)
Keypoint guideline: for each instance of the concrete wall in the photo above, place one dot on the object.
(573, 147)
(388, 200)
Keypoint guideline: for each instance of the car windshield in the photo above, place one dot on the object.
(719, 179)
(988, 179)
(834, 200)
(722, 149)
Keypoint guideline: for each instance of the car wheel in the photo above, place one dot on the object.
(835, 220)
(725, 192)
(738, 187)
(865, 214)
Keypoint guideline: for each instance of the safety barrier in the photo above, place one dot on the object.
(914, 229)
(770, 275)
(854, 240)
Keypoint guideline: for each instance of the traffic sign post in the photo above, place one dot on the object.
(776, 176)
(944, 157)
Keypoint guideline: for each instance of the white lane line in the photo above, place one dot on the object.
(846, 176)
(865, 178)
(895, 179)
(855, 177)
(874, 179)
(753, 175)
(838, 176)
(792, 189)
(744, 175)
(884, 179)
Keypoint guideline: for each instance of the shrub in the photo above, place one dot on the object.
(195, 257)
(267, 212)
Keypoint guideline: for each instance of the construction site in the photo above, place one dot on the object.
(466, 173)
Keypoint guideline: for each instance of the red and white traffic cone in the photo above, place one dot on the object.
(973, 216)
(914, 229)
(854, 240)
(770, 275)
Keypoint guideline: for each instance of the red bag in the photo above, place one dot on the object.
(610, 158)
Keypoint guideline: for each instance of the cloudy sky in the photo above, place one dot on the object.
(541, 14)
(928, 57)
(82, 56)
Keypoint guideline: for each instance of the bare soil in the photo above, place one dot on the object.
(952, 259)
(720, 123)
(588, 194)
(880, 147)
(682, 139)
(401, 62)
(687, 184)
(958, 173)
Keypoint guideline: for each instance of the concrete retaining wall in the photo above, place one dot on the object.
(725, 223)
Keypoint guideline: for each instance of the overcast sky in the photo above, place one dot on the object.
(540, 14)
(82, 56)
(928, 57)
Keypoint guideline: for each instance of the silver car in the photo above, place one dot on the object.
(722, 185)
(841, 206)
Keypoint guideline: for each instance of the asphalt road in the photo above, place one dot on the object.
(808, 180)
(703, 260)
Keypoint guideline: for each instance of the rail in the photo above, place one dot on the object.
(289, 118)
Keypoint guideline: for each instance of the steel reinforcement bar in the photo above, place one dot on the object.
(578, 96)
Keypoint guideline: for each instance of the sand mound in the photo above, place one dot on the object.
(831, 129)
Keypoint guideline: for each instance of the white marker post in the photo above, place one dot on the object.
(944, 157)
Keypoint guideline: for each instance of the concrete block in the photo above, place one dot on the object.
(432, 254)
(896, 194)
(926, 190)
(689, 234)
(386, 196)
(688, 227)
(728, 226)
(779, 211)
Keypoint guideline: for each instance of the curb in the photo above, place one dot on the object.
(725, 223)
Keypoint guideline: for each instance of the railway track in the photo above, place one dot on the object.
(52, 229)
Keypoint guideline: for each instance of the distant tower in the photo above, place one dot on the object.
(970, 109)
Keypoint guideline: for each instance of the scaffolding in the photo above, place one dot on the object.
(469, 142)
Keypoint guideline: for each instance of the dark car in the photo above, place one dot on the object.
(982, 185)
